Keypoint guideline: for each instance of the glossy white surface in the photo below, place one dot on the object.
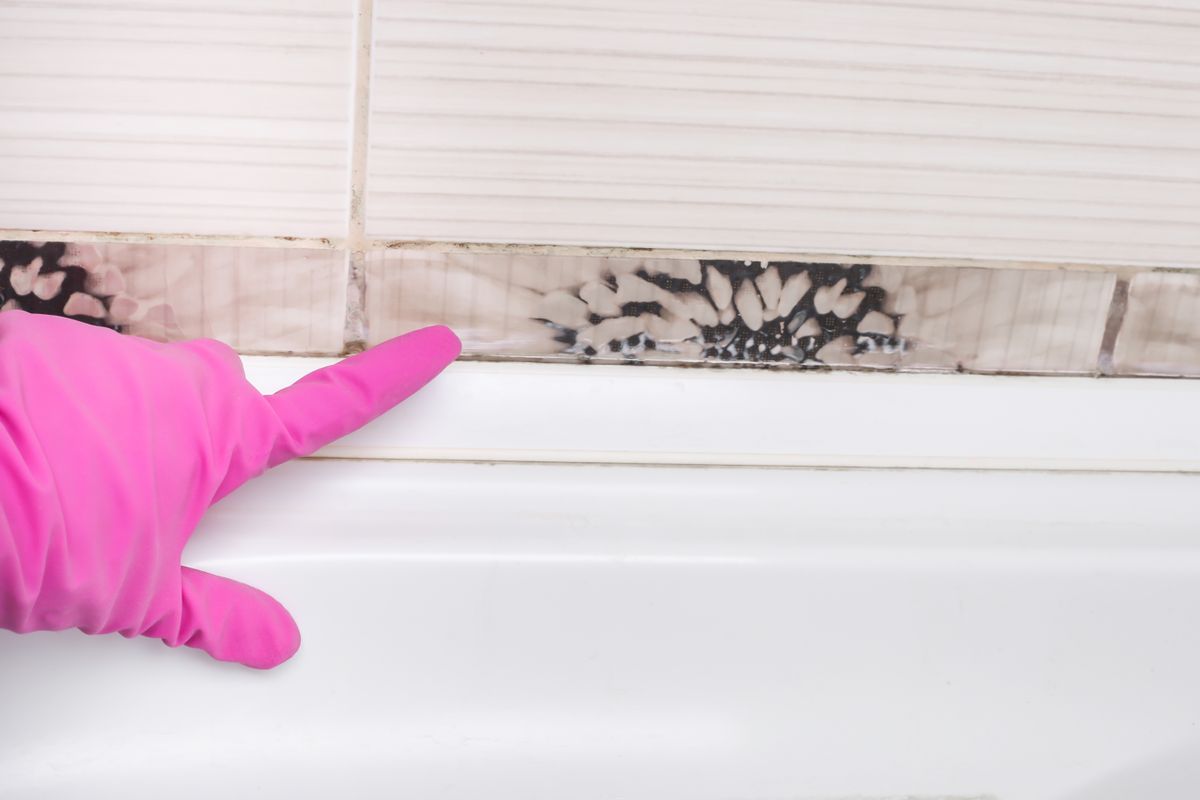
(226, 117)
(1052, 131)
(528, 632)
(665, 415)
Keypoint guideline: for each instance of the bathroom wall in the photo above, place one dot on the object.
(1009, 187)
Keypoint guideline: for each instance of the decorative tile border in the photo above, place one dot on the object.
(628, 309)
(44, 278)
(271, 300)
(747, 312)
(1160, 333)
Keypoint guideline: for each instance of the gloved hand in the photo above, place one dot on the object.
(111, 449)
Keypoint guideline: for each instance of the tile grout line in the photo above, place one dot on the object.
(1117, 307)
(845, 259)
(355, 326)
(358, 241)
(198, 239)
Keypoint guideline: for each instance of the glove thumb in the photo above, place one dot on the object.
(234, 622)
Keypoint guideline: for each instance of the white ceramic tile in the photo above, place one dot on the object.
(176, 116)
(1029, 130)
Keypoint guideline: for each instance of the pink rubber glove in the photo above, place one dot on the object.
(111, 449)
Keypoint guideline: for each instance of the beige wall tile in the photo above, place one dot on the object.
(225, 118)
(1023, 130)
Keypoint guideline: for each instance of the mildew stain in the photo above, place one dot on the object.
(725, 311)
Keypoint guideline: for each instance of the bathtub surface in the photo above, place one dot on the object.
(595, 632)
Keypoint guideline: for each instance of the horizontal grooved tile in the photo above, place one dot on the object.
(218, 118)
(1061, 132)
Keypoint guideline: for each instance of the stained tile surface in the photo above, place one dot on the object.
(626, 309)
(1160, 333)
(254, 299)
(690, 310)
